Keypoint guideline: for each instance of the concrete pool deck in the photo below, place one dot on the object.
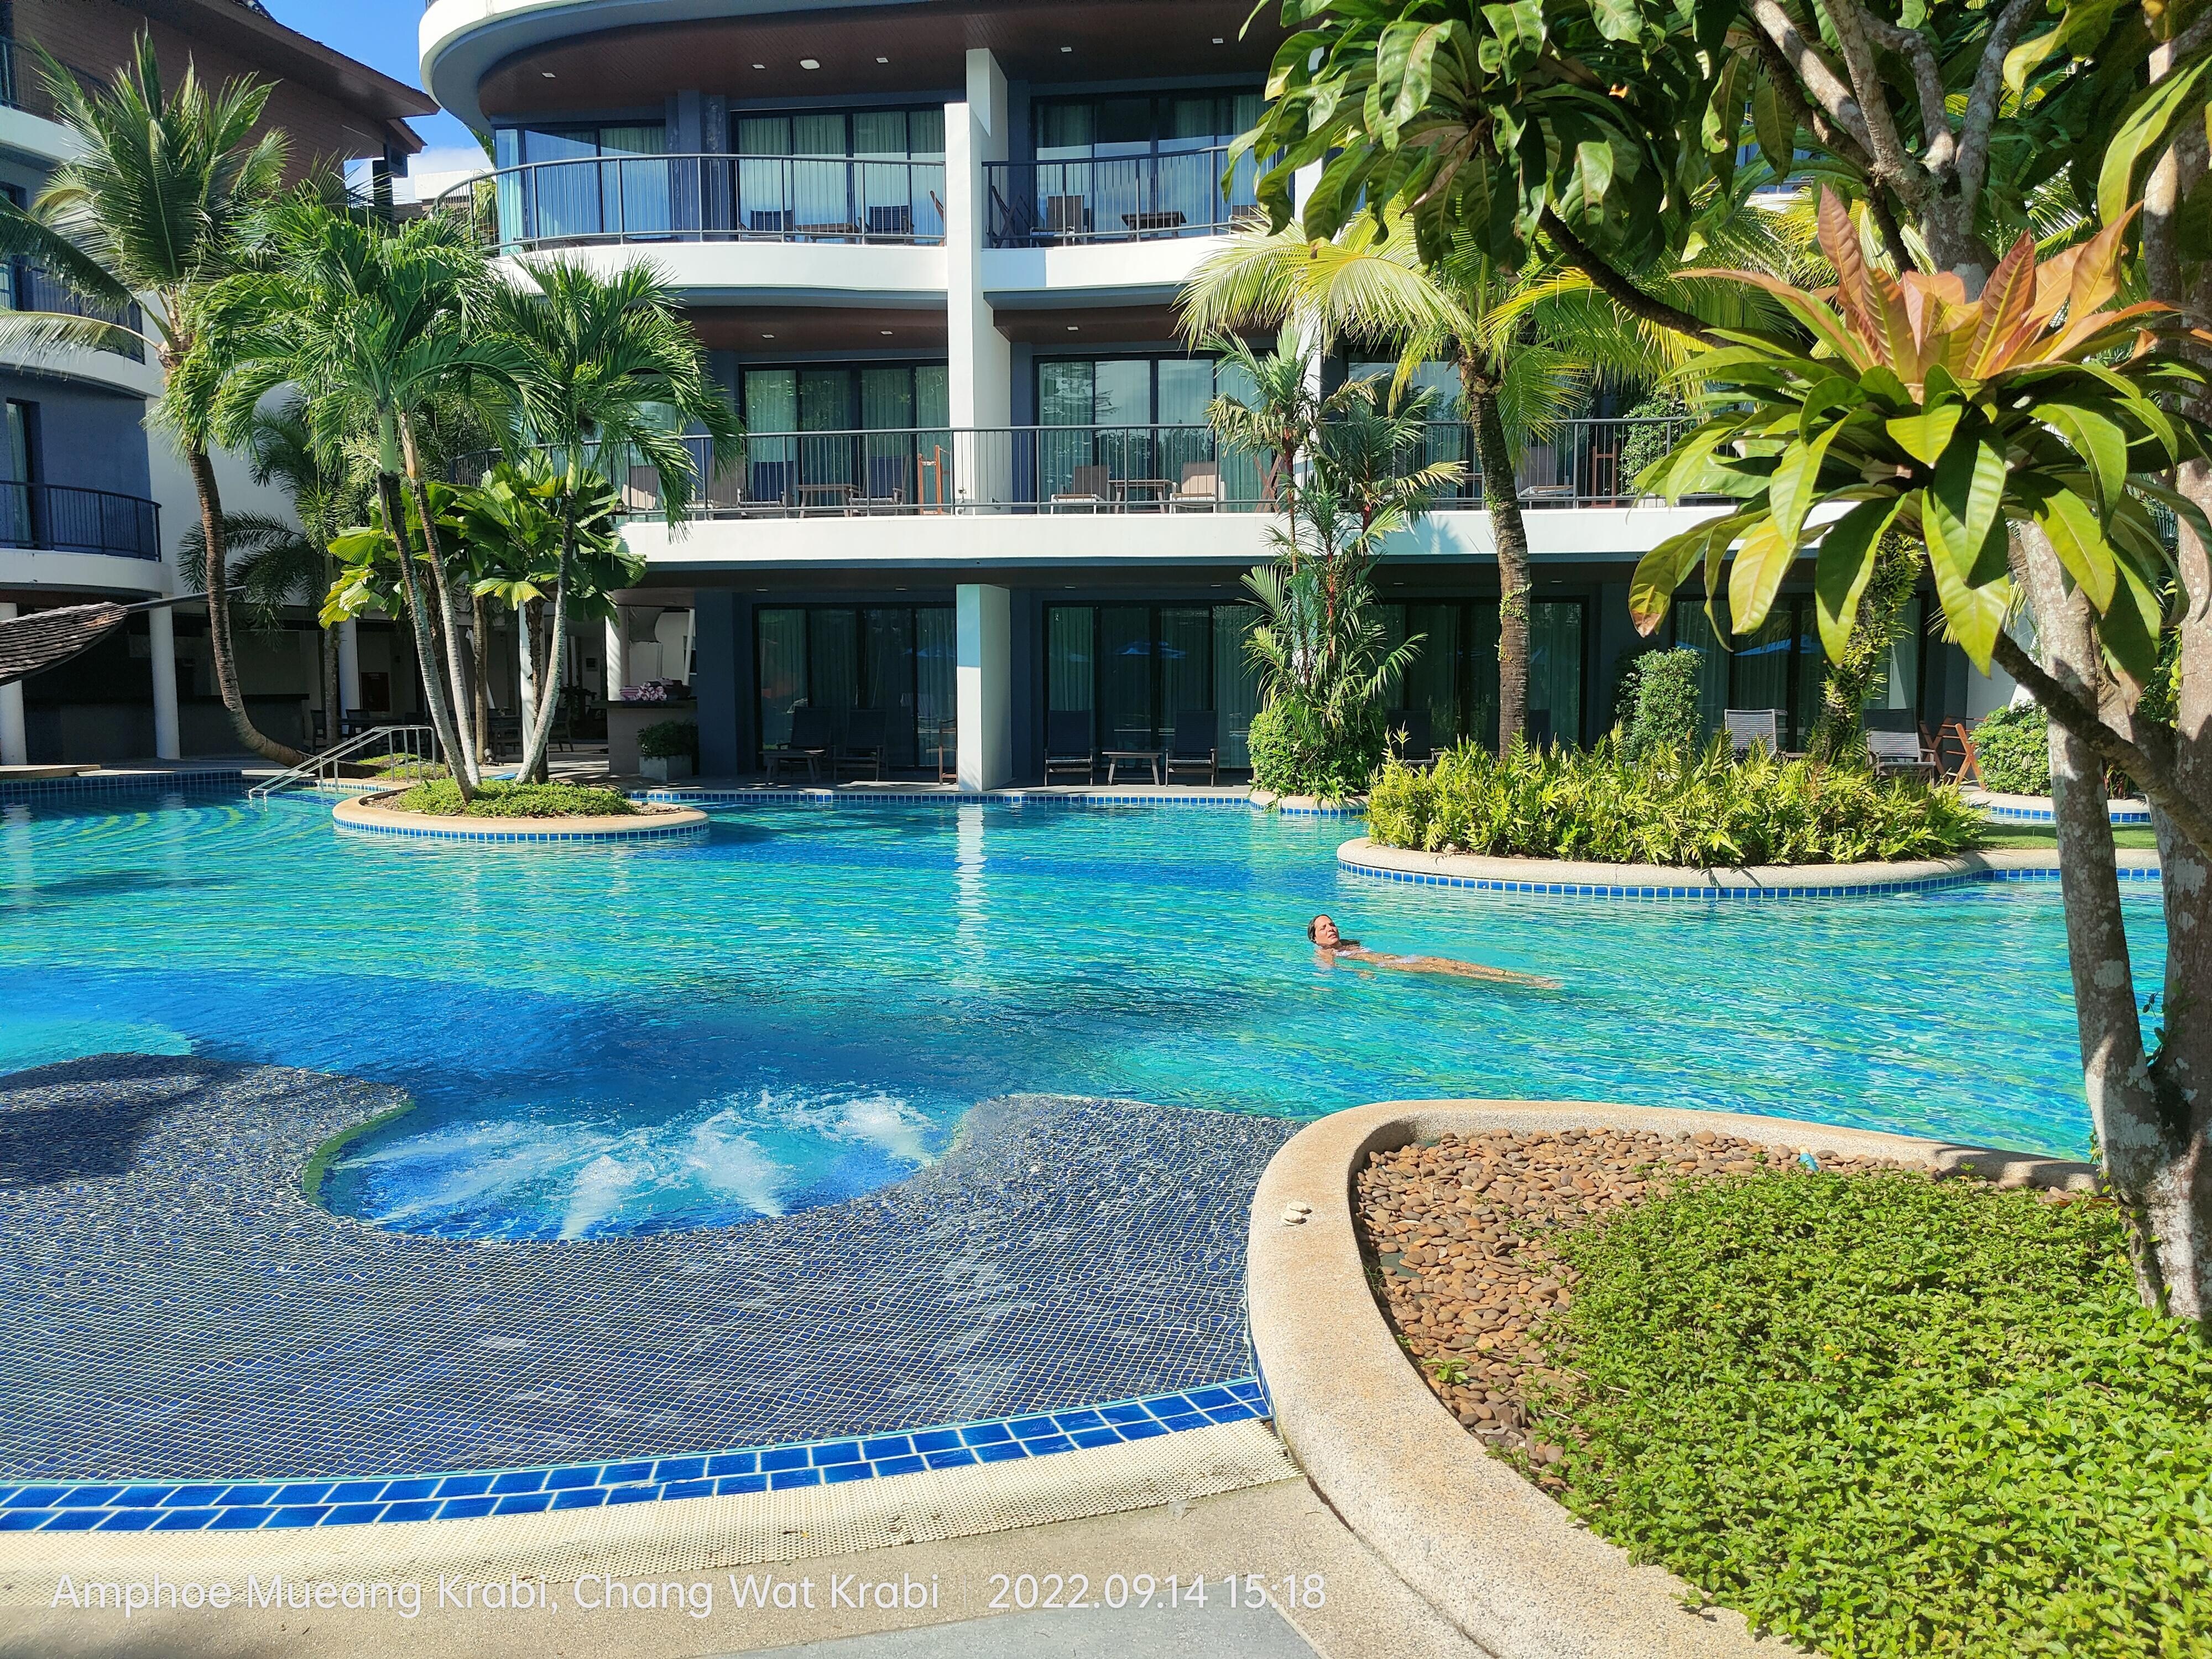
(179, 1311)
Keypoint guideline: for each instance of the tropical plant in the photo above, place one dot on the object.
(1665, 716)
(153, 203)
(1860, 673)
(608, 368)
(1667, 805)
(2012, 749)
(1274, 414)
(669, 740)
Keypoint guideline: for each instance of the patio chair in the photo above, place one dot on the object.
(1953, 750)
(1066, 215)
(1748, 726)
(944, 744)
(642, 494)
(1090, 487)
(1418, 749)
(863, 746)
(1899, 755)
(886, 483)
(1201, 489)
(813, 735)
(1067, 743)
(1197, 742)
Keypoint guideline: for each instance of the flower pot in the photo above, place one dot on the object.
(664, 768)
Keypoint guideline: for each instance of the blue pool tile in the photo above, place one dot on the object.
(784, 1457)
(298, 1514)
(464, 1485)
(407, 1491)
(699, 1488)
(184, 1519)
(250, 1495)
(890, 1445)
(519, 1480)
(906, 1465)
(1071, 1421)
(936, 1440)
(566, 1480)
(1131, 1412)
(1187, 1420)
(521, 1503)
(1206, 1399)
(1024, 1428)
(1249, 1388)
(300, 1493)
(85, 1497)
(243, 1517)
(83, 1520)
(632, 1494)
(986, 1434)
(580, 1497)
(462, 1509)
(130, 1519)
(1144, 1430)
(956, 1457)
(413, 1509)
(1101, 1436)
(837, 1474)
(356, 1492)
(1049, 1442)
(352, 1514)
(734, 1463)
(731, 1485)
(25, 1520)
(35, 1498)
(678, 1468)
(626, 1474)
(141, 1497)
(784, 1479)
(840, 1451)
(1003, 1451)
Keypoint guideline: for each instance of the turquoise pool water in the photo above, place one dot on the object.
(800, 1005)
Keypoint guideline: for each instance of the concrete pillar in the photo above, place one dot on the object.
(348, 669)
(980, 372)
(14, 747)
(161, 624)
(723, 752)
(985, 687)
(618, 650)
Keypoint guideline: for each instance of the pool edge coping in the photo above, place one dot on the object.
(367, 813)
(1510, 1567)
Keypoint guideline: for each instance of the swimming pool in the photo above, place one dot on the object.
(799, 1005)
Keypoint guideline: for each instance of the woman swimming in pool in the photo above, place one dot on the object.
(1331, 946)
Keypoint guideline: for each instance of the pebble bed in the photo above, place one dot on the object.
(1458, 1236)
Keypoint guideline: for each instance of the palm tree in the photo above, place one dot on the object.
(608, 369)
(377, 327)
(153, 204)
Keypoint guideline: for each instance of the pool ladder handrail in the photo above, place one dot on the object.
(322, 769)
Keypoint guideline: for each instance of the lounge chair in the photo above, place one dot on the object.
(862, 747)
(1201, 489)
(813, 735)
(1090, 487)
(1067, 743)
(1197, 742)
(1749, 727)
(1899, 754)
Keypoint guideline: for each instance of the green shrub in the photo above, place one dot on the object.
(669, 740)
(2013, 745)
(497, 799)
(1666, 715)
(1701, 808)
(1295, 753)
(1647, 444)
(1885, 1415)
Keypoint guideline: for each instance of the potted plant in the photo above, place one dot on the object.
(669, 750)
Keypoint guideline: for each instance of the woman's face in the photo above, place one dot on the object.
(1324, 932)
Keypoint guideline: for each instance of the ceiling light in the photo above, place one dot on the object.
(1217, 39)
(882, 331)
(1075, 328)
(760, 66)
(547, 74)
(1067, 48)
(767, 336)
(883, 60)
(809, 63)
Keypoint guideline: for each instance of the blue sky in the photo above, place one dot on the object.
(382, 34)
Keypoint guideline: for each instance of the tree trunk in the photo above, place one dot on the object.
(525, 669)
(480, 638)
(333, 693)
(540, 733)
(425, 639)
(448, 624)
(1501, 500)
(217, 583)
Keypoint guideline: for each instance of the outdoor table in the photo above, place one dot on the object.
(1158, 488)
(840, 494)
(1115, 757)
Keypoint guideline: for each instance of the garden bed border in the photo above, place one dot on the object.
(1513, 1569)
(368, 812)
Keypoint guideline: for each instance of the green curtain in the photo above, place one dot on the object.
(782, 661)
(1236, 681)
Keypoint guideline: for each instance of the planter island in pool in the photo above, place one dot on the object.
(372, 814)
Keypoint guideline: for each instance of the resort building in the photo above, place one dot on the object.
(92, 505)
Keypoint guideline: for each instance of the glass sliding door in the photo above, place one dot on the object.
(1070, 666)
(936, 683)
(1126, 719)
(1186, 657)
(636, 191)
(833, 658)
(1693, 629)
(1555, 668)
(771, 407)
(887, 678)
(1236, 681)
(1065, 391)
(898, 658)
(1431, 684)
(781, 644)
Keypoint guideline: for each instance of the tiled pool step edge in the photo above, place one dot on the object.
(766, 796)
(195, 779)
(254, 1506)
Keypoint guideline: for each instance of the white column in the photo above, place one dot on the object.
(168, 743)
(15, 747)
(349, 669)
(982, 627)
(617, 654)
(980, 372)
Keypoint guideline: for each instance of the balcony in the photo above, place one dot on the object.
(1092, 470)
(1133, 198)
(23, 81)
(63, 519)
(702, 199)
(29, 286)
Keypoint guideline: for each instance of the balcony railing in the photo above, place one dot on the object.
(23, 81)
(1100, 469)
(63, 519)
(694, 198)
(1128, 199)
(31, 286)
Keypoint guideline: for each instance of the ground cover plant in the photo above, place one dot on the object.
(1703, 808)
(1883, 1414)
(494, 799)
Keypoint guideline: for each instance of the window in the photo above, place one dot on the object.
(1453, 679)
(841, 174)
(890, 422)
(1140, 165)
(1134, 668)
(1781, 665)
(1166, 123)
(585, 181)
(19, 525)
(899, 658)
(1146, 421)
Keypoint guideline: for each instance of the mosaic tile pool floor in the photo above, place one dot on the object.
(174, 1310)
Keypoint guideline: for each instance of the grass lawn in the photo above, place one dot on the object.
(2042, 836)
(1887, 1415)
(497, 800)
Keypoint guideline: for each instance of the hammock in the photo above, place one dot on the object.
(46, 639)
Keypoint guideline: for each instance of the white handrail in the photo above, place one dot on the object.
(323, 768)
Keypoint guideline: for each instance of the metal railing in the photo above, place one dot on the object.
(395, 753)
(23, 81)
(693, 198)
(29, 286)
(63, 519)
(1099, 468)
(1123, 198)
